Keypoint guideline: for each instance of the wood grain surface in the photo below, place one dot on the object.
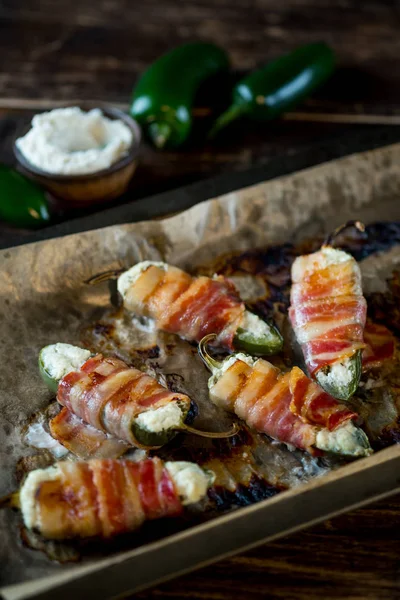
(64, 49)
(354, 556)
(58, 51)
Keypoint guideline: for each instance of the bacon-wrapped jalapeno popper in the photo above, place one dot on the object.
(289, 407)
(328, 313)
(111, 397)
(193, 307)
(106, 497)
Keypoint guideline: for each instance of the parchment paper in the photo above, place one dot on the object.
(43, 298)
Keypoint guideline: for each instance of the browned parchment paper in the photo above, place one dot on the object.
(44, 299)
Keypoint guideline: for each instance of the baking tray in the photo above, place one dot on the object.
(361, 483)
(355, 184)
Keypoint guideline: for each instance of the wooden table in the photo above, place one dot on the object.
(57, 52)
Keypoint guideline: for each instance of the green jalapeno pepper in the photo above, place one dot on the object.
(163, 97)
(160, 438)
(257, 337)
(22, 203)
(278, 87)
(340, 387)
(51, 383)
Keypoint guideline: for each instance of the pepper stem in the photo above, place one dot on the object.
(209, 361)
(159, 133)
(10, 501)
(211, 434)
(104, 276)
(330, 238)
(231, 114)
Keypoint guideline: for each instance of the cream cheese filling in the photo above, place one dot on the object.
(339, 373)
(60, 359)
(27, 494)
(347, 440)
(169, 416)
(255, 327)
(190, 480)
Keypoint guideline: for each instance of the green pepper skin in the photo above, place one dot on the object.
(258, 346)
(280, 86)
(156, 440)
(51, 383)
(345, 392)
(163, 97)
(22, 203)
(150, 439)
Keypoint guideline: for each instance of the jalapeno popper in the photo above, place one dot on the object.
(114, 399)
(289, 407)
(328, 313)
(105, 498)
(193, 307)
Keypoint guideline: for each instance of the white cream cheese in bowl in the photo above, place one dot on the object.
(81, 156)
(70, 141)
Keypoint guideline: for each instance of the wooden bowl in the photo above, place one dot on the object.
(100, 186)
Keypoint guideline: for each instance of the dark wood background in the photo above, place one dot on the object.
(59, 51)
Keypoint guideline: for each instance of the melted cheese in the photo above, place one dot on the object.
(38, 437)
(60, 359)
(190, 480)
(27, 494)
(255, 327)
(347, 440)
(339, 373)
(160, 419)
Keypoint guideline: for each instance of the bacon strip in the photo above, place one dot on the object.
(82, 439)
(328, 310)
(190, 307)
(380, 345)
(288, 407)
(313, 405)
(104, 498)
(108, 395)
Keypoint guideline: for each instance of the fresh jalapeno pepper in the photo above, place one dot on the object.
(22, 203)
(282, 84)
(257, 337)
(163, 97)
